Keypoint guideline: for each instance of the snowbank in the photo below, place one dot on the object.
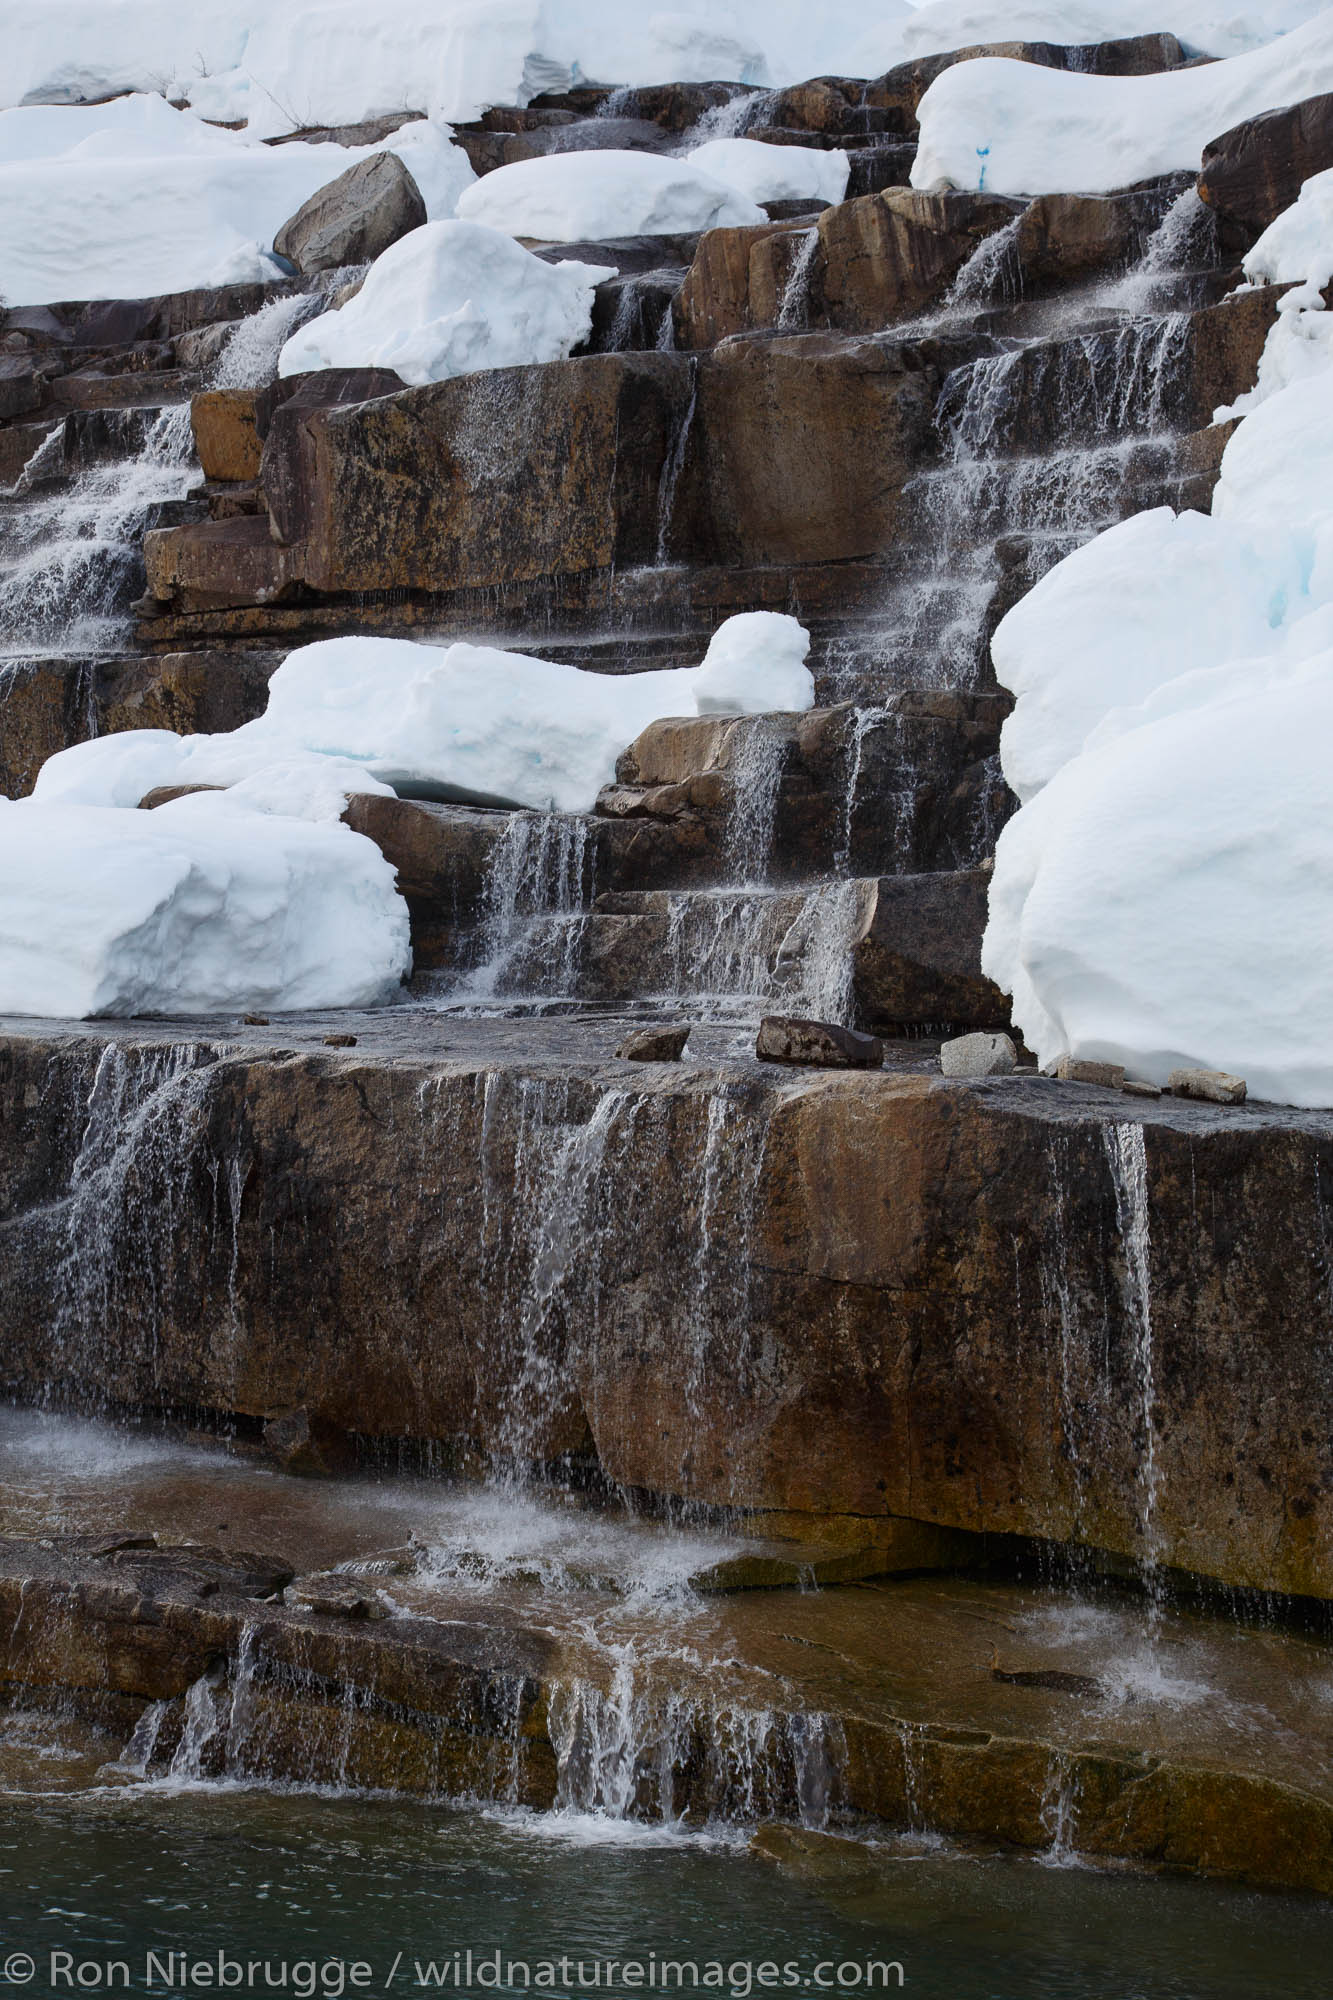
(203, 906)
(132, 198)
(593, 197)
(449, 298)
(773, 173)
(1014, 128)
(457, 722)
(1165, 895)
(1203, 26)
(329, 62)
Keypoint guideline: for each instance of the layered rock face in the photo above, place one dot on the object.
(1017, 1307)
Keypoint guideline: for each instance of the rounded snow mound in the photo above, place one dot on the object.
(133, 198)
(1016, 128)
(756, 661)
(774, 173)
(204, 906)
(1204, 27)
(593, 197)
(449, 722)
(449, 298)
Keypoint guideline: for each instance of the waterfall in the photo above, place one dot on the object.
(994, 501)
(794, 305)
(758, 759)
(534, 908)
(108, 1245)
(73, 555)
(1127, 1157)
(672, 469)
(73, 558)
(991, 276)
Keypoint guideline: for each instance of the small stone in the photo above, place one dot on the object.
(303, 1445)
(1211, 1086)
(979, 1055)
(665, 1044)
(330, 1597)
(1107, 1076)
(820, 1044)
(1132, 1087)
(340, 1041)
(255, 1020)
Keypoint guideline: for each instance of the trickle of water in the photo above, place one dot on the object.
(1058, 1808)
(794, 305)
(758, 758)
(536, 894)
(672, 469)
(1127, 1157)
(991, 276)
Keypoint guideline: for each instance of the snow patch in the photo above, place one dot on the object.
(1165, 896)
(450, 298)
(774, 173)
(458, 722)
(1015, 128)
(595, 196)
(133, 198)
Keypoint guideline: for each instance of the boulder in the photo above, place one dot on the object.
(724, 286)
(816, 1044)
(226, 434)
(505, 475)
(1254, 171)
(1064, 236)
(1077, 1069)
(800, 450)
(353, 219)
(443, 856)
(887, 256)
(899, 92)
(917, 960)
(658, 1044)
(1209, 1086)
(305, 1445)
(979, 1055)
(22, 388)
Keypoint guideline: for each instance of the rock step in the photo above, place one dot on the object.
(571, 1223)
(456, 1699)
(899, 953)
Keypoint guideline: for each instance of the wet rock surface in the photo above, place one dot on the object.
(937, 1268)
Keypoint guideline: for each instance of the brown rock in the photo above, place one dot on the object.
(1254, 171)
(354, 218)
(22, 387)
(498, 476)
(800, 450)
(658, 1044)
(1104, 1075)
(821, 1044)
(917, 960)
(888, 256)
(1063, 236)
(718, 295)
(306, 1445)
(340, 1041)
(225, 433)
(1209, 1086)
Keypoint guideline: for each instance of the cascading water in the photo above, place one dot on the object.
(1127, 1157)
(73, 557)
